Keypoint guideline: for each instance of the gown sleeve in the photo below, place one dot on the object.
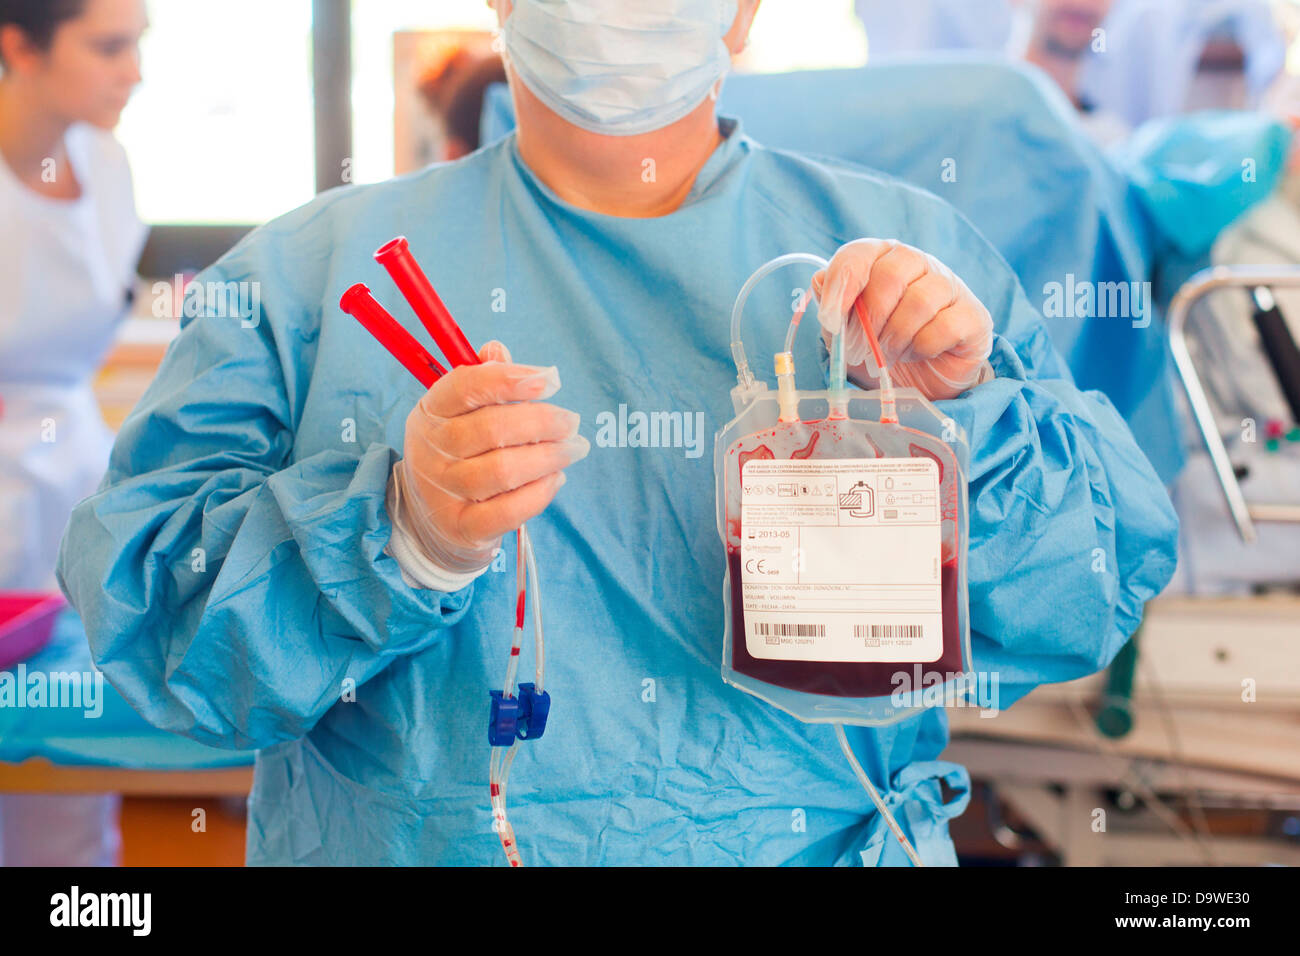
(1071, 531)
(229, 592)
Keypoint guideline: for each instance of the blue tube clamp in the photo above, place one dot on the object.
(533, 710)
(503, 723)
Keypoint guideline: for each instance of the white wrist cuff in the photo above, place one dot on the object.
(417, 570)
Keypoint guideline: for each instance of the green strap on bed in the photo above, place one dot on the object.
(1115, 715)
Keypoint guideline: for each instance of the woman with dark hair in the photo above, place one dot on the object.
(68, 251)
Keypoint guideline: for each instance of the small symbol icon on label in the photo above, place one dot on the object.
(859, 501)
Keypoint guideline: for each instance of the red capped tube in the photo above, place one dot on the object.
(361, 305)
(395, 256)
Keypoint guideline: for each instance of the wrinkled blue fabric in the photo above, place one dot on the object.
(269, 449)
(1002, 144)
(1195, 174)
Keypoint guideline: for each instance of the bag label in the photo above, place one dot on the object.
(840, 560)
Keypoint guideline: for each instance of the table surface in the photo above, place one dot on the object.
(109, 736)
(40, 776)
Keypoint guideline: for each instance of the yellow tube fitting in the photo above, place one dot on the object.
(787, 395)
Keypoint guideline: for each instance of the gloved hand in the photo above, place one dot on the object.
(935, 335)
(481, 456)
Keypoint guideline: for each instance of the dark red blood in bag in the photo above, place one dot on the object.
(841, 678)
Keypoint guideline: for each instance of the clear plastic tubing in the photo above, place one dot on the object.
(804, 300)
(743, 374)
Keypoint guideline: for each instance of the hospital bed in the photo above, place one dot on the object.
(1215, 708)
(1195, 742)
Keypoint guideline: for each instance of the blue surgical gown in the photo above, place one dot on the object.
(233, 580)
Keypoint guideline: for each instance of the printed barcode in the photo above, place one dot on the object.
(888, 630)
(763, 629)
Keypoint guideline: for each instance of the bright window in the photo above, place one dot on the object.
(221, 129)
(805, 35)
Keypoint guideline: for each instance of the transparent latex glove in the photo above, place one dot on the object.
(482, 455)
(935, 335)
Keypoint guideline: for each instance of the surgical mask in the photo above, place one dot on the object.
(620, 67)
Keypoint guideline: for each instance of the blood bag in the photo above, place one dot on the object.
(845, 536)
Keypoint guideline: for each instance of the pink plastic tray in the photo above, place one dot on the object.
(26, 623)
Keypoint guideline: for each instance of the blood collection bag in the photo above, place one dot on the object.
(845, 536)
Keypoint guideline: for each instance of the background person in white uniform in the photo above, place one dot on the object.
(68, 250)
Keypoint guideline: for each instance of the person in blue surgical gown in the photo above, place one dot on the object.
(293, 547)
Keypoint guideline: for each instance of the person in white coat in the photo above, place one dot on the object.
(68, 250)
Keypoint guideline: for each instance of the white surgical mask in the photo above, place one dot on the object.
(620, 67)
